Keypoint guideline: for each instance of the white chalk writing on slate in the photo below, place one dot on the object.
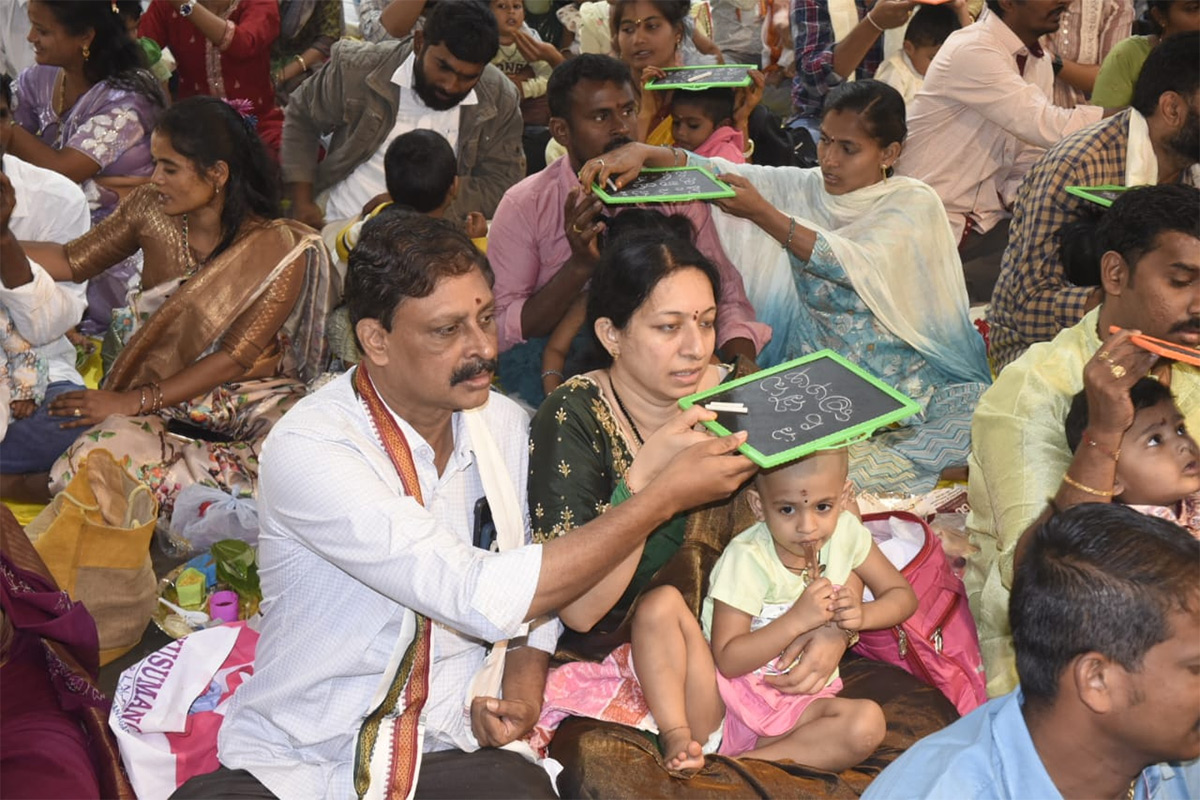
(792, 390)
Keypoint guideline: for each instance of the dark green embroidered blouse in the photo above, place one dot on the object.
(578, 457)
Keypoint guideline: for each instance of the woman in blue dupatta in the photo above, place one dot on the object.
(844, 256)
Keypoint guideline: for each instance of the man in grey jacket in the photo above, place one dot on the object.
(367, 94)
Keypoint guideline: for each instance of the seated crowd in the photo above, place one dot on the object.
(363, 268)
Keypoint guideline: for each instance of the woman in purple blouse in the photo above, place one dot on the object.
(86, 110)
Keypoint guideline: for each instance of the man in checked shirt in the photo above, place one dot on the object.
(1157, 140)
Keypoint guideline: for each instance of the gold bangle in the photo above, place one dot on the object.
(156, 403)
(787, 245)
(1069, 481)
(303, 65)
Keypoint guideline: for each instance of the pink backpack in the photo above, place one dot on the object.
(938, 643)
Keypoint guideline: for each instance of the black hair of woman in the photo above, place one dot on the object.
(628, 271)
(206, 130)
(644, 221)
(1156, 14)
(880, 110)
(112, 55)
(674, 11)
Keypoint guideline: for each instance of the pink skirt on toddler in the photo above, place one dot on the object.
(755, 709)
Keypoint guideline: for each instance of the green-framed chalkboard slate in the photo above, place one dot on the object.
(700, 77)
(668, 185)
(812, 403)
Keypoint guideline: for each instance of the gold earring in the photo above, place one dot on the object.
(883, 170)
(87, 53)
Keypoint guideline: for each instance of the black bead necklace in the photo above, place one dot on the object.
(637, 435)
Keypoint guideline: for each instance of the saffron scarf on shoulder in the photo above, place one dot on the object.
(389, 769)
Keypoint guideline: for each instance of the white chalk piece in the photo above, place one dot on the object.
(728, 408)
(704, 76)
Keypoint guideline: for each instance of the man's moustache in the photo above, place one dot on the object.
(618, 142)
(474, 370)
(1192, 325)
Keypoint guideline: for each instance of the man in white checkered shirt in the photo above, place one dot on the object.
(348, 558)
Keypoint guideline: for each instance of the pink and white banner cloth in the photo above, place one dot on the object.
(168, 707)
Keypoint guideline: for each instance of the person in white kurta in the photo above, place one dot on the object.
(49, 208)
(353, 556)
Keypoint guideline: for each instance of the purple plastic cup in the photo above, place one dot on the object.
(223, 606)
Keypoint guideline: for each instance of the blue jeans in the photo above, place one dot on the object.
(32, 444)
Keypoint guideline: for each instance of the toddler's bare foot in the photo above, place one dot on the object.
(681, 752)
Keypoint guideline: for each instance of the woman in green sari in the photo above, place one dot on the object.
(594, 441)
(653, 314)
(652, 310)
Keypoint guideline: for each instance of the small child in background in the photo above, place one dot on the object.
(421, 173)
(159, 60)
(777, 580)
(1158, 465)
(525, 59)
(23, 375)
(928, 29)
(703, 123)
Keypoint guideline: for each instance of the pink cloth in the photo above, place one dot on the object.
(607, 691)
(725, 142)
(1187, 515)
(168, 708)
(754, 709)
(527, 245)
(977, 125)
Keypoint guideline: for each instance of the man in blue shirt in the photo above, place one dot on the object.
(1105, 614)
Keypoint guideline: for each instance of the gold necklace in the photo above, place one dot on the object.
(192, 260)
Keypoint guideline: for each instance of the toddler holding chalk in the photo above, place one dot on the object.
(777, 580)
(1158, 463)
